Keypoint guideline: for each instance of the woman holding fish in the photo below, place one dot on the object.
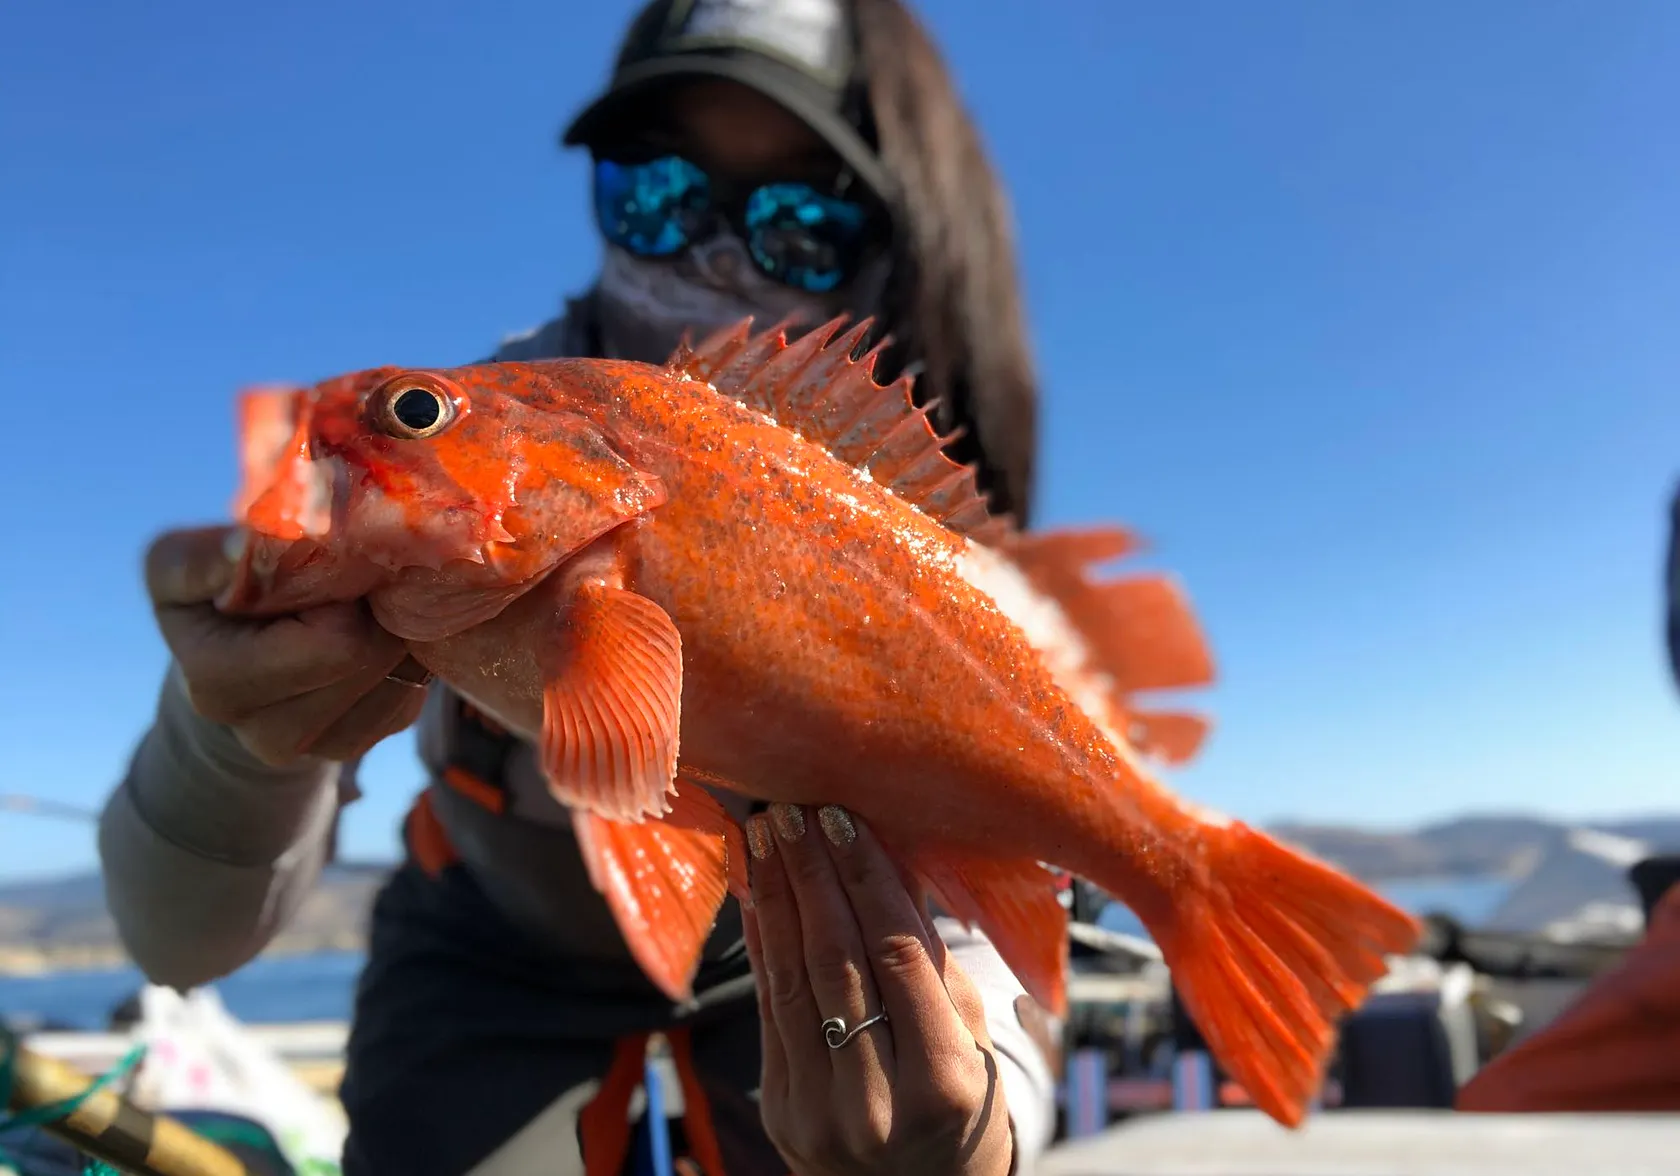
(775, 159)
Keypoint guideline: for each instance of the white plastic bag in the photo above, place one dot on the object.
(198, 1057)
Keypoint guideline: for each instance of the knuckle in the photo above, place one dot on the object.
(870, 1136)
(210, 700)
(940, 1111)
(831, 966)
(348, 632)
(827, 1142)
(785, 987)
(901, 954)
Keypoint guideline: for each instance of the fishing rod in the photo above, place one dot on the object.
(88, 1116)
(36, 806)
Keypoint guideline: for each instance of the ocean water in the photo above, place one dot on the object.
(1470, 901)
(321, 987)
(294, 988)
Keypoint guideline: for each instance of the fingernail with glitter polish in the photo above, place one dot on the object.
(790, 821)
(759, 842)
(837, 825)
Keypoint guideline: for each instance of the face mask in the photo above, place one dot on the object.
(646, 305)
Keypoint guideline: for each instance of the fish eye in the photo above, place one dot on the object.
(413, 409)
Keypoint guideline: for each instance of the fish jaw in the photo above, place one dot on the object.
(274, 577)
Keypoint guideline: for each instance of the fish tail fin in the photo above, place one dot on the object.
(1269, 955)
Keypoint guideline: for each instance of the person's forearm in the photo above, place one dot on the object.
(206, 851)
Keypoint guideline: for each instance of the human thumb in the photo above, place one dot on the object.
(192, 566)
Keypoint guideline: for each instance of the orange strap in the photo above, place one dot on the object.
(604, 1124)
(427, 841)
(697, 1109)
(1616, 1048)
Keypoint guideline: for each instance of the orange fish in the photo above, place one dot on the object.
(755, 570)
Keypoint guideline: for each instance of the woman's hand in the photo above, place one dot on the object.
(311, 684)
(834, 933)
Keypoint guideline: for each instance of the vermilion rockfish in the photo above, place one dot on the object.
(755, 571)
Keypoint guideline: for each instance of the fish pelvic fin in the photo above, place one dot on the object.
(1013, 902)
(665, 881)
(1139, 632)
(1268, 952)
(822, 388)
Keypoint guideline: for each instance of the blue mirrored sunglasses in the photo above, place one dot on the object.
(795, 233)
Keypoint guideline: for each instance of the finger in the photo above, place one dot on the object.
(388, 708)
(283, 731)
(191, 566)
(836, 962)
(236, 667)
(965, 999)
(787, 988)
(925, 1024)
(773, 1081)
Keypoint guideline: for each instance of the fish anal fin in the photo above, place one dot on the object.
(816, 388)
(1269, 949)
(664, 881)
(612, 704)
(1172, 736)
(1013, 901)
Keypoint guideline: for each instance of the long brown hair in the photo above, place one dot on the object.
(953, 303)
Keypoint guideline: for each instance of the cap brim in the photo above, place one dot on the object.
(768, 78)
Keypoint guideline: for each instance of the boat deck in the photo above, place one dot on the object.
(1376, 1143)
(1216, 1143)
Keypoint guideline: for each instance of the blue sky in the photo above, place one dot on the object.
(1364, 313)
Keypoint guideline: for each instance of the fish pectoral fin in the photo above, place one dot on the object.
(1013, 901)
(664, 881)
(612, 705)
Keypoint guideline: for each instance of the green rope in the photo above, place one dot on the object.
(52, 1112)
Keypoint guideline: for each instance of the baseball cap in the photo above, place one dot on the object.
(801, 54)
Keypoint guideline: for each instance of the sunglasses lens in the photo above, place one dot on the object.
(652, 208)
(803, 238)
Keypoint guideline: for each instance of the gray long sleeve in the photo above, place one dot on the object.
(206, 851)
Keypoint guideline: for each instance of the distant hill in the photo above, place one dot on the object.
(1476, 846)
(1564, 877)
(63, 923)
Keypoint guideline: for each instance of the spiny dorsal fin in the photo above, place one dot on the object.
(816, 388)
(1139, 631)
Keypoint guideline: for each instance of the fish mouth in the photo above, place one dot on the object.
(286, 506)
(286, 491)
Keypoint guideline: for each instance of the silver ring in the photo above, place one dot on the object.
(837, 1035)
(410, 673)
